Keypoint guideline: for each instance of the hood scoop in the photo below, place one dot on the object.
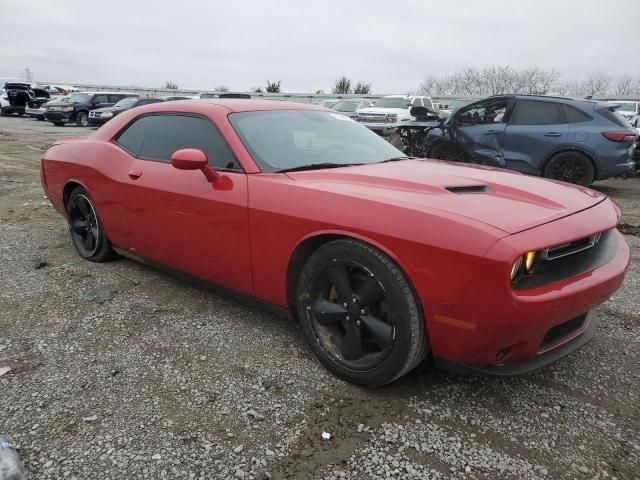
(469, 189)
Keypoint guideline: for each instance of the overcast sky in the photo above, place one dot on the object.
(306, 45)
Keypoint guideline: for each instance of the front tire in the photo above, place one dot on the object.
(572, 167)
(83, 119)
(359, 314)
(87, 235)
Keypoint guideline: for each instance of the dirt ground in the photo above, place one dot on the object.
(120, 371)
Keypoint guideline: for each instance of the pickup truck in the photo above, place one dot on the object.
(390, 110)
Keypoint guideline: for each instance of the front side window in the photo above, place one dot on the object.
(101, 99)
(157, 137)
(80, 98)
(284, 139)
(531, 112)
(491, 111)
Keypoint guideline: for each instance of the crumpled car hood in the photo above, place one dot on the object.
(503, 199)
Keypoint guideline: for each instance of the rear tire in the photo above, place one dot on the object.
(85, 227)
(82, 120)
(359, 314)
(448, 151)
(572, 167)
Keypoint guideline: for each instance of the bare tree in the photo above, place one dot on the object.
(597, 83)
(342, 85)
(221, 88)
(625, 86)
(169, 85)
(27, 75)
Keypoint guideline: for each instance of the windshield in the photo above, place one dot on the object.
(80, 98)
(284, 139)
(346, 106)
(393, 103)
(126, 102)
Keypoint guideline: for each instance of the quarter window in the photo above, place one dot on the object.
(156, 137)
(531, 112)
(574, 115)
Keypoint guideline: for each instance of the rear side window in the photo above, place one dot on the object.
(101, 99)
(574, 115)
(156, 137)
(530, 112)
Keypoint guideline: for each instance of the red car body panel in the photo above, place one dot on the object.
(242, 230)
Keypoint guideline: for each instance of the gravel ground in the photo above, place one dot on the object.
(120, 371)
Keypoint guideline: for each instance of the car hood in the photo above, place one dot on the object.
(503, 199)
(382, 110)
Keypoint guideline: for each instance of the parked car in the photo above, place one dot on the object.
(389, 110)
(100, 116)
(16, 97)
(576, 141)
(455, 105)
(225, 95)
(348, 106)
(178, 97)
(327, 102)
(38, 111)
(80, 104)
(384, 259)
(629, 109)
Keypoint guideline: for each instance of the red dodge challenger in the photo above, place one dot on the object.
(383, 259)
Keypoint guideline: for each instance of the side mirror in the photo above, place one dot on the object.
(193, 159)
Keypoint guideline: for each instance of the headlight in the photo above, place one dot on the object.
(524, 262)
(67, 109)
(392, 118)
(106, 114)
(515, 269)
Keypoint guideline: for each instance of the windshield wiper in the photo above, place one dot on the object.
(395, 159)
(316, 166)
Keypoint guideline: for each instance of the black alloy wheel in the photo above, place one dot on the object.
(86, 230)
(359, 314)
(572, 167)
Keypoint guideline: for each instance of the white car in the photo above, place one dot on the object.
(4, 101)
(389, 110)
(630, 110)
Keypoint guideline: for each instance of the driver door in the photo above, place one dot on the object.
(178, 218)
(479, 129)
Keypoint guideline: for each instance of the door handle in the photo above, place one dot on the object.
(492, 132)
(134, 173)
(552, 134)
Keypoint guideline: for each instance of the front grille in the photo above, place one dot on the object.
(372, 117)
(566, 249)
(561, 332)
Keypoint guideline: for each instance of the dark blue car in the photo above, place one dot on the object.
(577, 141)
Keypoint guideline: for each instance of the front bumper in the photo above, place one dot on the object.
(492, 327)
(565, 346)
(35, 112)
(59, 116)
(97, 121)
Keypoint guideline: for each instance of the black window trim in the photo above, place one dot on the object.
(558, 106)
(114, 139)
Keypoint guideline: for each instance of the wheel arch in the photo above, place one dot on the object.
(310, 243)
(68, 188)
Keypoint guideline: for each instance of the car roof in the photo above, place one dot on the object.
(110, 93)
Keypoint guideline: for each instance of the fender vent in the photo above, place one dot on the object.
(469, 189)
